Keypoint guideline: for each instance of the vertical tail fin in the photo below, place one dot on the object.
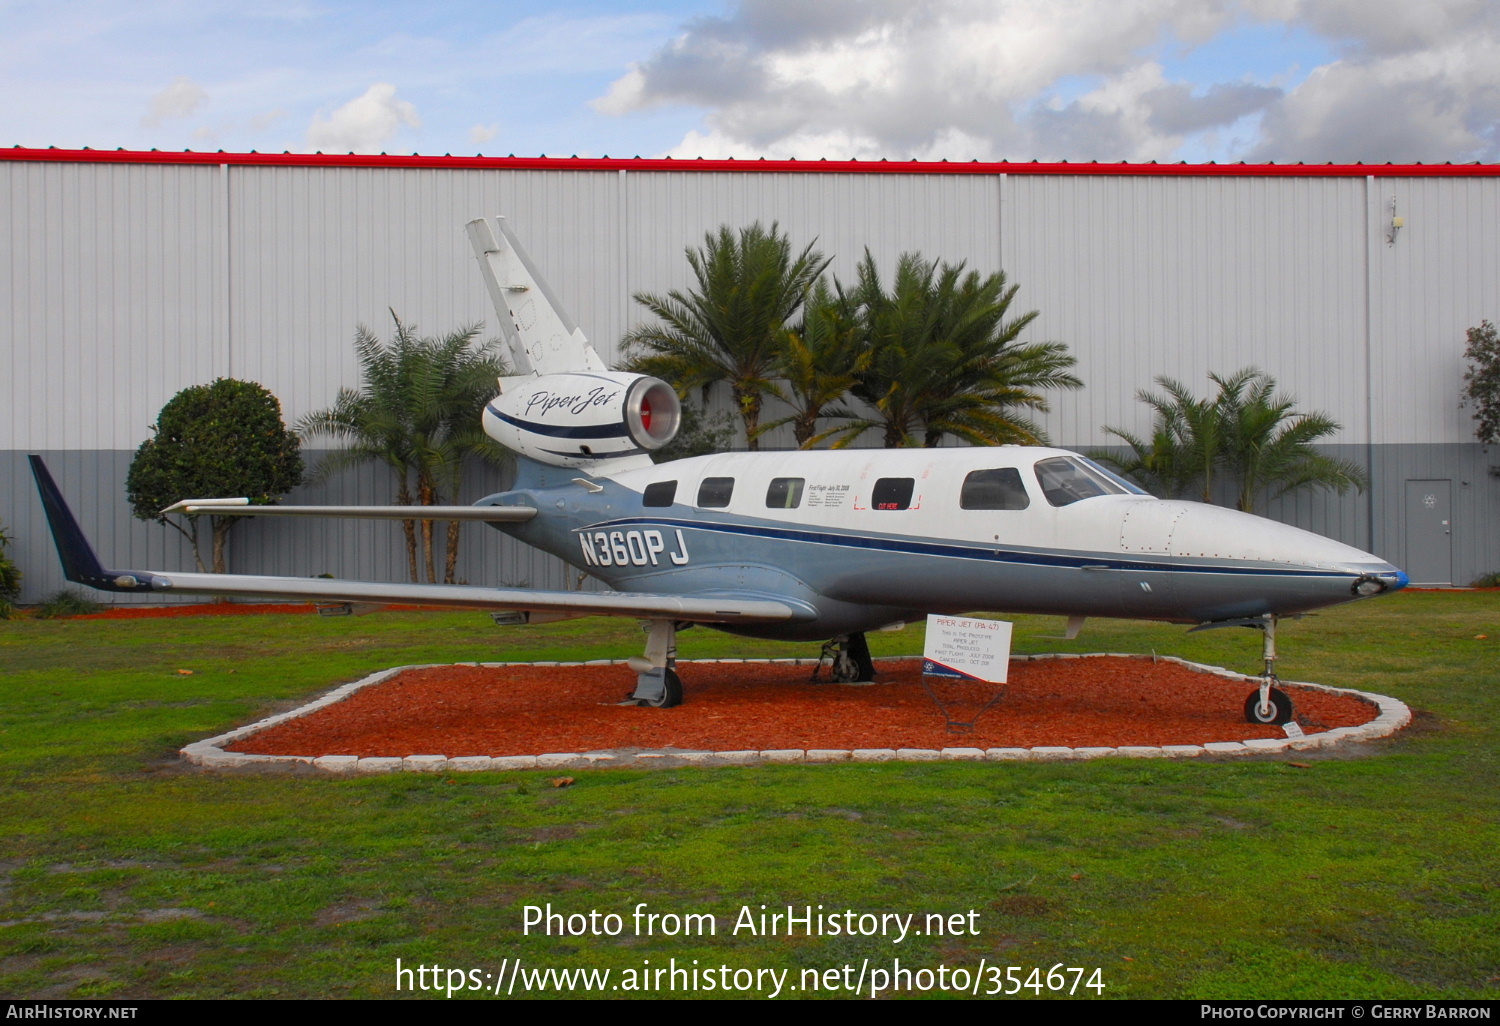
(541, 336)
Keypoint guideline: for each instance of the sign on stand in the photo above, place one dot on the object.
(967, 649)
(961, 649)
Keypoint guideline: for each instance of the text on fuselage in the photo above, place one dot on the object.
(541, 403)
(630, 548)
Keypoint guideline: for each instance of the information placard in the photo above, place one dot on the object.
(967, 649)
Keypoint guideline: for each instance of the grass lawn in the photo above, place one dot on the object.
(123, 874)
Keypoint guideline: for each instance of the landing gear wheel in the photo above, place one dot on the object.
(1281, 708)
(671, 694)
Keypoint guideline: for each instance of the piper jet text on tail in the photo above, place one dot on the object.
(805, 545)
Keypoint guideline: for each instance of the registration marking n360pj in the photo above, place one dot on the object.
(630, 548)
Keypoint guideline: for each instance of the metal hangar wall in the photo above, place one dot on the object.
(125, 277)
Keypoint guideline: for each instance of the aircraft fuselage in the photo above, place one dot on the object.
(863, 538)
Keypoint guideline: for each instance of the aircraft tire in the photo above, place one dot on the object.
(671, 694)
(1281, 708)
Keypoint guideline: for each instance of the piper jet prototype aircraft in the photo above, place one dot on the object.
(803, 545)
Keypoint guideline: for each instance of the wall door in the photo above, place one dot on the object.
(1429, 532)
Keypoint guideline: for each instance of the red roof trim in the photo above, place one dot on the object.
(88, 156)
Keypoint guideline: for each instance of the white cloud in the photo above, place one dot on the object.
(178, 100)
(481, 134)
(1430, 103)
(968, 79)
(363, 124)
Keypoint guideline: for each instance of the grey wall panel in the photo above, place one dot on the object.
(1475, 502)
(122, 284)
(1146, 276)
(317, 251)
(1439, 278)
(108, 293)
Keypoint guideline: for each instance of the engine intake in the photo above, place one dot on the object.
(609, 419)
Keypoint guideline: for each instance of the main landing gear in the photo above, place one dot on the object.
(656, 683)
(848, 660)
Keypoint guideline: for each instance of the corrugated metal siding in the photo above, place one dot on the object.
(318, 251)
(122, 284)
(108, 299)
(1145, 276)
(1438, 279)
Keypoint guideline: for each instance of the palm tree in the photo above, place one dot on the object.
(1186, 448)
(819, 361)
(1246, 433)
(1268, 445)
(944, 359)
(417, 411)
(728, 328)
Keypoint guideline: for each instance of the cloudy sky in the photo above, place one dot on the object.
(1196, 80)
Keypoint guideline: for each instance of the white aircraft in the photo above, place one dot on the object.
(800, 545)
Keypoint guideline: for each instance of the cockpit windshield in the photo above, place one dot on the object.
(1068, 479)
(1116, 478)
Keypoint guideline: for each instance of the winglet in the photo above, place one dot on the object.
(80, 563)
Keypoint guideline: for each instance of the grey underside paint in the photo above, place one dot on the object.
(93, 482)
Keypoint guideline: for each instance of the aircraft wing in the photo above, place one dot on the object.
(242, 508)
(82, 566)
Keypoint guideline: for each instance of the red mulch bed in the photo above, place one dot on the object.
(521, 710)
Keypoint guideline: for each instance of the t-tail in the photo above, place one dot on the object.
(562, 406)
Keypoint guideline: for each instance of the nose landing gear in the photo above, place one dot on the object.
(1268, 704)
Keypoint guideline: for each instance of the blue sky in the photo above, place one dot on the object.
(988, 79)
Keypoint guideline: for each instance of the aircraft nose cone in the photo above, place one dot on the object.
(1214, 531)
(1380, 579)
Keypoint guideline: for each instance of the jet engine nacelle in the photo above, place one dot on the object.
(584, 419)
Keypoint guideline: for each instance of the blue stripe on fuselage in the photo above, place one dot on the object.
(986, 553)
(561, 430)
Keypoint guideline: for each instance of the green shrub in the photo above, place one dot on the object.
(10, 577)
(1487, 581)
(66, 603)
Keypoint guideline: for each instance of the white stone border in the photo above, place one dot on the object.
(213, 753)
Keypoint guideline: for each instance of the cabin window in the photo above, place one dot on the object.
(785, 493)
(892, 493)
(715, 492)
(994, 489)
(1065, 480)
(660, 493)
